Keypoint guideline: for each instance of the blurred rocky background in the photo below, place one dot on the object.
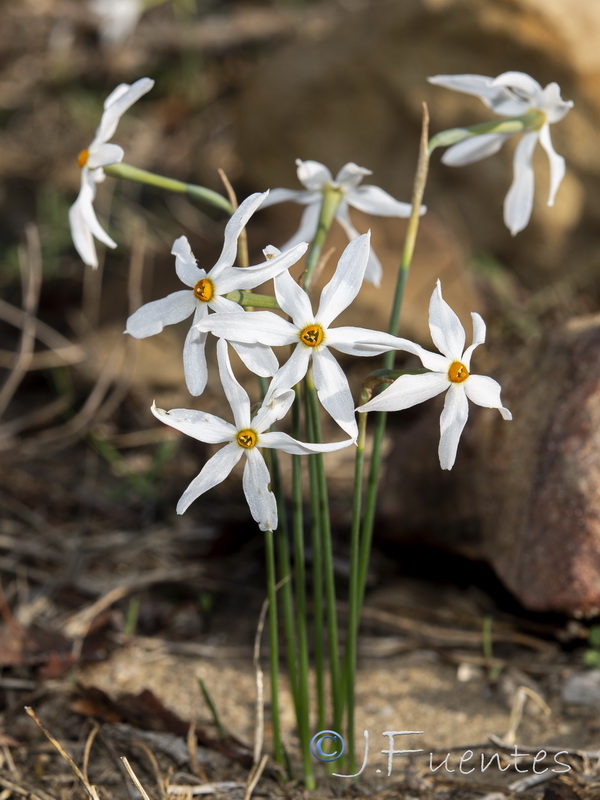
(249, 87)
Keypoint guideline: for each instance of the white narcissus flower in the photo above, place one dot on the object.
(206, 292)
(449, 373)
(312, 333)
(82, 217)
(512, 94)
(243, 438)
(370, 199)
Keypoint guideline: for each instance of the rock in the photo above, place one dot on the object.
(523, 496)
(582, 689)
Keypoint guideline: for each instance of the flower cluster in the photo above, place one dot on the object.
(211, 297)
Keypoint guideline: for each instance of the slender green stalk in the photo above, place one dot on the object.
(303, 720)
(388, 359)
(286, 591)
(317, 579)
(331, 201)
(532, 120)
(354, 593)
(201, 193)
(252, 300)
(273, 646)
(329, 575)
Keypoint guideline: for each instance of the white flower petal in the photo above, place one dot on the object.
(478, 338)
(522, 84)
(301, 196)
(313, 174)
(250, 327)
(275, 406)
(333, 391)
(557, 163)
(197, 424)
(308, 225)
(117, 103)
(259, 497)
(351, 175)
(234, 227)
(373, 271)
(498, 98)
(446, 330)
(407, 391)
(346, 281)
(473, 149)
(258, 358)
(85, 210)
(452, 422)
(239, 278)
(518, 203)
(194, 359)
(281, 441)
(236, 395)
(373, 200)
(152, 317)
(224, 306)
(553, 106)
(365, 342)
(292, 371)
(185, 263)
(484, 391)
(293, 300)
(213, 472)
(104, 155)
(82, 237)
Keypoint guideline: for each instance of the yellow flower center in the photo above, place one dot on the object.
(247, 439)
(204, 290)
(458, 372)
(82, 158)
(312, 335)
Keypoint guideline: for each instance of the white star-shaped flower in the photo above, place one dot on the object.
(370, 199)
(206, 292)
(82, 217)
(449, 373)
(512, 94)
(312, 333)
(243, 438)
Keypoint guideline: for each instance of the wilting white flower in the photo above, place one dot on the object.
(243, 438)
(116, 18)
(317, 179)
(449, 373)
(100, 153)
(512, 94)
(312, 333)
(206, 291)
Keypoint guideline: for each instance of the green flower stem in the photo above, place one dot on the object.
(329, 205)
(273, 646)
(201, 193)
(303, 721)
(532, 120)
(329, 575)
(317, 578)
(251, 300)
(354, 593)
(388, 359)
(285, 571)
